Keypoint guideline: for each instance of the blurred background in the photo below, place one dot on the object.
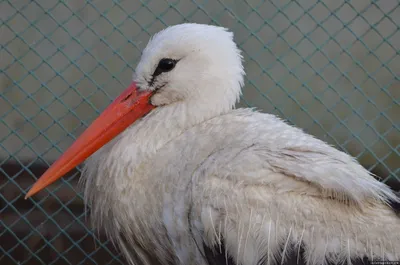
(330, 67)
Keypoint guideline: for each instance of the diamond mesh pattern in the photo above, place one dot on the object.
(330, 67)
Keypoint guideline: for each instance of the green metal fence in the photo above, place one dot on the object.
(329, 66)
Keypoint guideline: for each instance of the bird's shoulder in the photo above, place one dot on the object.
(260, 148)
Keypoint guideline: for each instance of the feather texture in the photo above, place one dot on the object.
(195, 175)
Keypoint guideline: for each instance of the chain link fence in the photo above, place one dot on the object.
(328, 66)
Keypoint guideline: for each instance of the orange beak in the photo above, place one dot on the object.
(130, 106)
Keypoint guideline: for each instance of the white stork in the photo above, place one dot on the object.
(178, 176)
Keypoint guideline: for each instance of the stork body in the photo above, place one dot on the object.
(244, 179)
(195, 175)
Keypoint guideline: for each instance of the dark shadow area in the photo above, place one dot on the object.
(47, 229)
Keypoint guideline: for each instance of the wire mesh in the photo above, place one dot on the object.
(330, 67)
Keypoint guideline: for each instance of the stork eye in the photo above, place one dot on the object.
(166, 65)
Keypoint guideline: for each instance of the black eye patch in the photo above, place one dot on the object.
(164, 65)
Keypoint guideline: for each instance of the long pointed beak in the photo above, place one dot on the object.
(128, 107)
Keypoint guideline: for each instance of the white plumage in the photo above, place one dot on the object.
(195, 174)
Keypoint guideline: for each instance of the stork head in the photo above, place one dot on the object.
(188, 64)
(193, 63)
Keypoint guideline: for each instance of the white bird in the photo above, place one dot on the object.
(178, 176)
